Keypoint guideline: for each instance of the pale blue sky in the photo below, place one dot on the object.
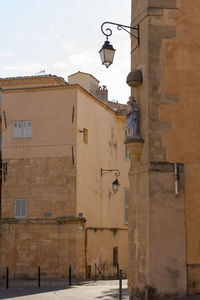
(62, 37)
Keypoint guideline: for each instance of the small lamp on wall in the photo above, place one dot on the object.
(115, 184)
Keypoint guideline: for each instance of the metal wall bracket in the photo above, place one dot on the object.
(108, 32)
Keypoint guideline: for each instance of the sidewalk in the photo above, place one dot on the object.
(101, 290)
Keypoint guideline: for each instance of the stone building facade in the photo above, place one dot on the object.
(164, 209)
(57, 209)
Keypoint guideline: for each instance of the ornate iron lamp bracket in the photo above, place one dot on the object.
(108, 32)
(104, 171)
(115, 184)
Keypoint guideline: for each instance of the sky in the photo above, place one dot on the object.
(63, 37)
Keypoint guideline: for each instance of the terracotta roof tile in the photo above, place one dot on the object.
(118, 107)
(32, 81)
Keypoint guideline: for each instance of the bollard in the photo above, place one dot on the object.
(95, 274)
(7, 278)
(120, 284)
(39, 276)
(70, 276)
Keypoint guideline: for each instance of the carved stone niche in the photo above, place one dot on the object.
(135, 147)
(135, 78)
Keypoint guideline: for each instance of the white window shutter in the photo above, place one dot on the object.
(23, 208)
(27, 129)
(17, 208)
(17, 130)
(22, 129)
(20, 208)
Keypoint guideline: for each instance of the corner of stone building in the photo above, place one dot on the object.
(154, 188)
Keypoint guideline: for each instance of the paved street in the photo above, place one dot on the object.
(101, 290)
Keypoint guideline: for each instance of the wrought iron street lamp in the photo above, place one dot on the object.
(115, 184)
(107, 51)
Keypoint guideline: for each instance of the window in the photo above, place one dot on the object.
(85, 135)
(127, 156)
(22, 129)
(115, 256)
(20, 208)
(126, 201)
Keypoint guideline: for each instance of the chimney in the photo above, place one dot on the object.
(102, 93)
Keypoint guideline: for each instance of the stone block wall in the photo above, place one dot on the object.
(48, 184)
(49, 236)
(51, 244)
(157, 233)
(167, 243)
(138, 231)
(157, 247)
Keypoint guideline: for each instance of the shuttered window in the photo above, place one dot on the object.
(126, 202)
(22, 129)
(20, 208)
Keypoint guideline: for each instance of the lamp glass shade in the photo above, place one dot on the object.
(107, 54)
(115, 186)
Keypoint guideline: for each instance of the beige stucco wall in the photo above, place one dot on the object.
(42, 170)
(53, 132)
(106, 133)
(87, 81)
(95, 198)
(100, 250)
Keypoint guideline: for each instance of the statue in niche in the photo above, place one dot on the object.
(132, 118)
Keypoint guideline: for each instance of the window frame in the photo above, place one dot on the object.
(20, 216)
(115, 256)
(24, 131)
